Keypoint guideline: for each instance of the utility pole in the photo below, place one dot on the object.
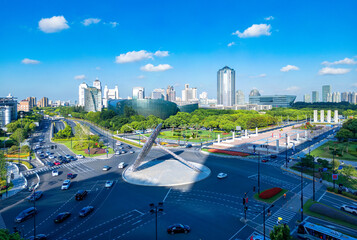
(302, 194)
(286, 152)
(258, 173)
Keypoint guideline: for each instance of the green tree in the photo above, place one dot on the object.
(6, 235)
(280, 232)
(3, 169)
(129, 111)
(18, 136)
(349, 171)
(344, 134)
(307, 161)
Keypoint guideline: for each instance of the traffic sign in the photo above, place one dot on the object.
(334, 176)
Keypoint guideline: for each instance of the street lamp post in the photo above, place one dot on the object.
(21, 115)
(286, 152)
(333, 165)
(302, 193)
(34, 216)
(154, 209)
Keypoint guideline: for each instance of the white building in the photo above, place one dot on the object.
(82, 87)
(170, 94)
(158, 93)
(138, 93)
(226, 86)
(97, 84)
(307, 98)
(110, 94)
(189, 94)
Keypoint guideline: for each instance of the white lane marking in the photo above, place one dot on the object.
(136, 222)
(167, 194)
(238, 232)
(127, 216)
(321, 197)
(138, 211)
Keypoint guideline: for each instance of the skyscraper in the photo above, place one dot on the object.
(344, 97)
(315, 96)
(226, 86)
(82, 87)
(44, 102)
(326, 89)
(32, 101)
(189, 94)
(110, 94)
(240, 99)
(307, 98)
(170, 94)
(92, 99)
(138, 93)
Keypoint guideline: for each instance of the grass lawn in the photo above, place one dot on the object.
(67, 143)
(272, 199)
(2, 138)
(307, 211)
(325, 150)
(203, 135)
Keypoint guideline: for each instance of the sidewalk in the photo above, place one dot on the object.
(19, 181)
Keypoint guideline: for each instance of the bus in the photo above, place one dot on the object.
(313, 231)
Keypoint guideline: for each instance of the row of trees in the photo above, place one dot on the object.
(348, 131)
(64, 133)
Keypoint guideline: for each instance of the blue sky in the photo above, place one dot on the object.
(45, 45)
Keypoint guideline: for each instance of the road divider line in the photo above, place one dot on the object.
(166, 195)
(137, 222)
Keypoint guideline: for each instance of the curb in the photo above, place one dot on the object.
(340, 195)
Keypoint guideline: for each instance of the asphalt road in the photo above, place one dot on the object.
(212, 207)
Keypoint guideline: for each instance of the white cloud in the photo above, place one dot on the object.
(114, 24)
(231, 44)
(161, 53)
(29, 61)
(288, 68)
(293, 89)
(97, 68)
(255, 30)
(159, 68)
(259, 76)
(80, 77)
(141, 76)
(333, 71)
(133, 56)
(348, 61)
(53, 24)
(90, 21)
(269, 18)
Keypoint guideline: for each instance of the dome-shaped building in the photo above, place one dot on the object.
(254, 92)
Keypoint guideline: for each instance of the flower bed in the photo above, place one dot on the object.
(233, 153)
(270, 193)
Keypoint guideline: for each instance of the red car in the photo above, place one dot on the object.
(265, 160)
(57, 163)
(70, 176)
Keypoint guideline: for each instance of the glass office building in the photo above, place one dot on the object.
(326, 90)
(273, 100)
(157, 107)
(226, 82)
(92, 99)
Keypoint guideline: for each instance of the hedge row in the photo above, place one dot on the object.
(233, 153)
(270, 193)
(350, 195)
(333, 213)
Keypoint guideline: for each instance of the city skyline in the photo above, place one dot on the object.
(270, 45)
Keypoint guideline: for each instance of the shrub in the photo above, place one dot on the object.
(270, 193)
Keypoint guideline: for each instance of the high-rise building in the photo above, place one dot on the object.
(97, 84)
(82, 87)
(138, 93)
(336, 97)
(189, 94)
(307, 98)
(315, 96)
(44, 102)
(24, 106)
(344, 97)
(8, 110)
(158, 93)
(226, 86)
(170, 94)
(32, 101)
(110, 94)
(92, 99)
(240, 98)
(326, 89)
(352, 98)
(329, 97)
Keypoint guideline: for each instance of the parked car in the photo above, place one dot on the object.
(66, 184)
(349, 209)
(62, 216)
(60, 157)
(38, 237)
(39, 152)
(48, 153)
(121, 165)
(106, 168)
(79, 156)
(42, 156)
(178, 228)
(54, 173)
(35, 196)
(109, 184)
(129, 146)
(221, 175)
(25, 214)
(85, 211)
(81, 194)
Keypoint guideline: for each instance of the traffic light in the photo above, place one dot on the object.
(246, 200)
(246, 208)
(243, 201)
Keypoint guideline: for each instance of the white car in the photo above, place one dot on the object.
(79, 156)
(221, 175)
(121, 165)
(39, 152)
(109, 184)
(66, 184)
(350, 209)
(54, 173)
(106, 168)
(51, 157)
(117, 152)
(118, 143)
(131, 152)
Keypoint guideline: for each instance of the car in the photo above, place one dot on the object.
(66, 184)
(118, 143)
(67, 156)
(57, 163)
(35, 196)
(178, 228)
(54, 173)
(38, 237)
(80, 195)
(131, 152)
(79, 156)
(256, 236)
(72, 158)
(123, 152)
(39, 151)
(42, 156)
(349, 209)
(221, 175)
(109, 184)
(40, 140)
(265, 160)
(48, 153)
(106, 168)
(85, 211)
(25, 214)
(51, 157)
(189, 146)
(62, 216)
(129, 147)
(121, 165)
(117, 152)
(60, 157)
(70, 176)
(50, 164)
(273, 156)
